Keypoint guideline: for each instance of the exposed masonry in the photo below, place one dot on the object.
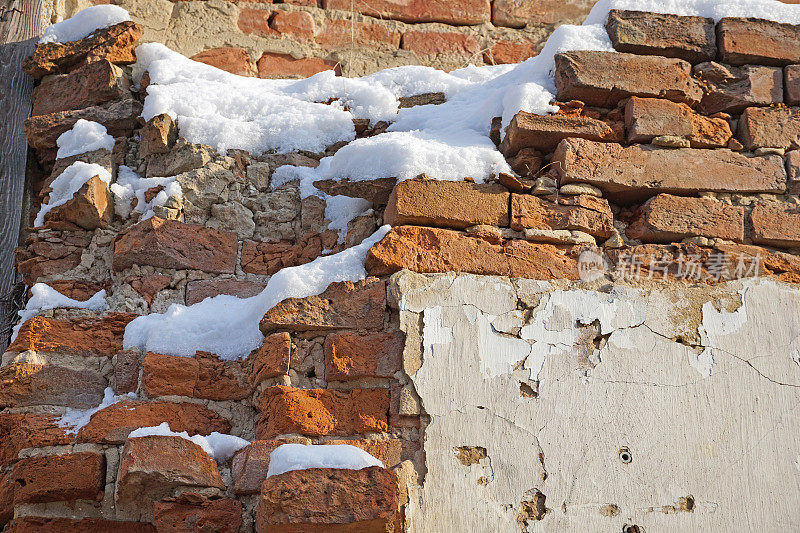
(445, 378)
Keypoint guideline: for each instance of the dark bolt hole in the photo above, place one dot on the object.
(626, 457)
(631, 528)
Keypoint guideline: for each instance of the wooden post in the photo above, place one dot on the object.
(21, 23)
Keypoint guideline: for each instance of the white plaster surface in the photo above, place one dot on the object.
(619, 368)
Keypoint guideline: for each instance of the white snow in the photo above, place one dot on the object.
(44, 296)
(85, 136)
(130, 185)
(75, 419)
(217, 445)
(227, 325)
(68, 183)
(287, 457)
(84, 23)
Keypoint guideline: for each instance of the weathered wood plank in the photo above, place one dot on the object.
(21, 21)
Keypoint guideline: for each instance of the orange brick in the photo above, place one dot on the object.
(229, 59)
(256, 21)
(429, 43)
(28, 430)
(54, 478)
(318, 412)
(296, 23)
(203, 376)
(271, 359)
(274, 65)
(347, 33)
(504, 52)
(461, 12)
(351, 356)
(82, 336)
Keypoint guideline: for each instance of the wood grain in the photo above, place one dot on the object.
(21, 22)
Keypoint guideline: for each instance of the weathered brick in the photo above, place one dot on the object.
(27, 384)
(275, 65)
(199, 290)
(327, 499)
(299, 24)
(90, 85)
(430, 43)
(172, 244)
(776, 224)
(337, 34)
(519, 13)
(203, 376)
(640, 171)
(126, 371)
(503, 52)
(544, 132)
(250, 464)
(54, 252)
(28, 430)
(271, 359)
(350, 356)
(604, 78)
(115, 44)
(585, 213)
(270, 257)
(319, 412)
(751, 40)
(35, 524)
(457, 13)
(732, 89)
(54, 478)
(454, 204)
(692, 39)
(343, 305)
(148, 286)
(647, 118)
(158, 135)
(387, 451)
(113, 424)
(256, 21)
(151, 468)
(80, 336)
(91, 207)
(791, 83)
(198, 514)
(432, 250)
(774, 127)
(228, 58)
(667, 218)
(793, 172)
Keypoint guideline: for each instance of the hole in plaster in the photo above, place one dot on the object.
(611, 510)
(532, 507)
(600, 341)
(470, 455)
(526, 391)
(632, 528)
(625, 455)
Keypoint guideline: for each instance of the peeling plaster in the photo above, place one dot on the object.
(708, 452)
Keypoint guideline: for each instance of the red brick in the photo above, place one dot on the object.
(339, 34)
(503, 52)
(750, 40)
(92, 84)
(51, 253)
(319, 412)
(54, 478)
(28, 430)
(151, 468)
(172, 244)
(544, 132)
(115, 44)
(350, 356)
(343, 305)
(199, 290)
(250, 465)
(585, 213)
(159, 134)
(296, 23)
(774, 127)
(431, 250)
(149, 286)
(689, 38)
(194, 513)
(270, 257)
(647, 118)
(793, 172)
(667, 218)
(327, 499)
(732, 89)
(35, 524)
(791, 81)
(641, 171)
(429, 43)
(448, 12)
(518, 13)
(256, 21)
(25, 384)
(603, 79)
(274, 65)
(203, 376)
(113, 424)
(271, 359)
(230, 59)
(776, 224)
(80, 336)
(75, 288)
(91, 207)
(453, 204)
